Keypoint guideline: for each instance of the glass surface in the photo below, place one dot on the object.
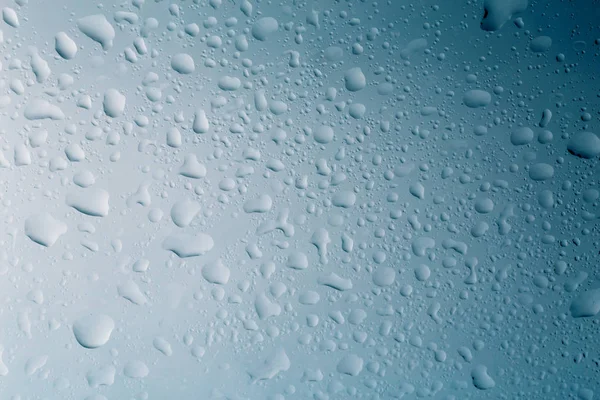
(289, 199)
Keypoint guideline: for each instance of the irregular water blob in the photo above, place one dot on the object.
(97, 28)
(241, 43)
(384, 276)
(10, 16)
(93, 330)
(246, 8)
(344, 199)
(546, 118)
(187, 245)
(297, 260)
(521, 136)
(35, 363)
(84, 179)
(417, 189)
(275, 363)
(481, 379)
(91, 201)
(132, 292)
(413, 47)
(264, 27)
(265, 308)
(261, 204)
(229, 83)
(477, 98)
(65, 46)
(44, 229)
(174, 138)
(541, 171)
(421, 244)
(277, 107)
(192, 168)
(334, 53)
(323, 134)
(584, 145)
(200, 124)
(136, 369)
(336, 282)
(39, 66)
(184, 211)
(546, 199)
(216, 272)
(586, 304)
(351, 365)
(114, 103)
(162, 345)
(355, 79)
(484, 205)
(183, 63)
(22, 155)
(38, 108)
(540, 44)
(101, 376)
(497, 12)
(357, 110)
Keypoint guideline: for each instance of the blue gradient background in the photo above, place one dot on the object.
(521, 332)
